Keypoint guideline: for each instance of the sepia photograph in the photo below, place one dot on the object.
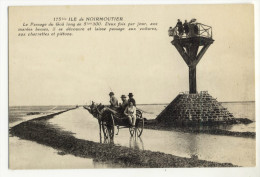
(131, 86)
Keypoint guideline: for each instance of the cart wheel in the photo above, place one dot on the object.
(139, 127)
(132, 131)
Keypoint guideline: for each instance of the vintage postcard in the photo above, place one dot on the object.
(131, 86)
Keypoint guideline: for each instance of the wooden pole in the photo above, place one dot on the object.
(191, 55)
(192, 79)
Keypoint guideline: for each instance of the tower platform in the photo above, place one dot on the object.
(196, 40)
(199, 108)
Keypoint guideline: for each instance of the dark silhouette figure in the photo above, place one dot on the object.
(186, 28)
(180, 27)
(196, 29)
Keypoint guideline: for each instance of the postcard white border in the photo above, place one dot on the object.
(192, 172)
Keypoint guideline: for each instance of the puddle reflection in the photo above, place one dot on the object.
(136, 143)
(105, 139)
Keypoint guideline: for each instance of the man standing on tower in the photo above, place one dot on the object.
(186, 28)
(180, 28)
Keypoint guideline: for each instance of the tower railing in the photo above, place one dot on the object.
(205, 30)
(195, 30)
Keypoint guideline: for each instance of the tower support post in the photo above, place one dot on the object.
(192, 79)
(188, 48)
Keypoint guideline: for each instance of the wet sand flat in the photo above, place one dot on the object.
(47, 134)
(222, 149)
(204, 147)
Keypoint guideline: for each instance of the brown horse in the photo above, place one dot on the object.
(100, 112)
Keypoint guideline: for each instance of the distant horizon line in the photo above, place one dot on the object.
(137, 104)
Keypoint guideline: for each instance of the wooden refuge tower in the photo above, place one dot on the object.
(188, 44)
(192, 41)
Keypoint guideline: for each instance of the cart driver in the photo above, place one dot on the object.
(113, 100)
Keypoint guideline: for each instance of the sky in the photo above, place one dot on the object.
(87, 66)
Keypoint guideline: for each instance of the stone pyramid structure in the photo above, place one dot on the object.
(199, 108)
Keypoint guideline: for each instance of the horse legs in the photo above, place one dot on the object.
(100, 133)
(117, 129)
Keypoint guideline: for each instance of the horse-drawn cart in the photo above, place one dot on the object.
(110, 119)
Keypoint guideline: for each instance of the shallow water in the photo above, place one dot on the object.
(241, 110)
(19, 113)
(25, 154)
(235, 150)
(26, 118)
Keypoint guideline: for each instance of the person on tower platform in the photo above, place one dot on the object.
(170, 31)
(186, 28)
(194, 29)
(180, 28)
